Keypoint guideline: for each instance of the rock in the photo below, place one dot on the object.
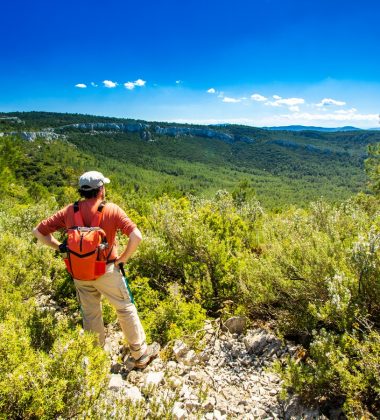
(192, 405)
(133, 393)
(295, 410)
(183, 354)
(204, 356)
(273, 392)
(178, 412)
(257, 343)
(108, 346)
(259, 412)
(225, 387)
(209, 404)
(180, 349)
(116, 382)
(131, 128)
(175, 382)
(154, 378)
(134, 377)
(190, 358)
(236, 324)
(185, 391)
(218, 415)
(171, 365)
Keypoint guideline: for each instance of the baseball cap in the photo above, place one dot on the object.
(91, 180)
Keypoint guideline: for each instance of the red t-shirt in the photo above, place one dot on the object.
(114, 219)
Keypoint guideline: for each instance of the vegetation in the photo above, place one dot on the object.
(313, 270)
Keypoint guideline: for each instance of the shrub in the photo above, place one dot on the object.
(339, 368)
(173, 317)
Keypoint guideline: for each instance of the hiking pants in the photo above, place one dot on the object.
(112, 286)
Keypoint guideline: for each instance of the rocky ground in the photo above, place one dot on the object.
(230, 377)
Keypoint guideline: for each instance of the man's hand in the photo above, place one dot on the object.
(134, 239)
(48, 240)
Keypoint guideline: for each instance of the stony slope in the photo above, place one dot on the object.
(231, 377)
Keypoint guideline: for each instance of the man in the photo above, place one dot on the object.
(111, 284)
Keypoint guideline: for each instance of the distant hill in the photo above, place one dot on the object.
(312, 128)
(283, 167)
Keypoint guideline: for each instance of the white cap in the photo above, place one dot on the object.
(92, 180)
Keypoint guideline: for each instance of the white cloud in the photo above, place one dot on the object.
(140, 82)
(347, 115)
(129, 85)
(291, 103)
(330, 101)
(346, 111)
(231, 100)
(288, 101)
(221, 95)
(109, 84)
(94, 84)
(178, 82)
(80, 85)
(259, 98)
(211, 90)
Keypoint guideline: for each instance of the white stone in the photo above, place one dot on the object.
(255, 344)
(178, 412)
(218, 415)
(180, 348)
(273, 392)
(171, 365)
(185, 391)
(209, 404)
(154, 378)
(192, 405)
(236, 324)
(116, 382)
(190, 358)
(134, 394)
(174, 382)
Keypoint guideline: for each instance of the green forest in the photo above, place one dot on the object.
(283, 229)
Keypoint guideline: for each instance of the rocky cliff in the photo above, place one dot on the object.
(146, 131)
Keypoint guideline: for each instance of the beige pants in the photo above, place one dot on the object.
(112, 286)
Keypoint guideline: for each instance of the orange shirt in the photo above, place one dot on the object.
(114, 219)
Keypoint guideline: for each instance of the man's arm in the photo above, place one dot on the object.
(134, 239)
(48, 240)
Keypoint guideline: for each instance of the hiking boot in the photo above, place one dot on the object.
(151, 352)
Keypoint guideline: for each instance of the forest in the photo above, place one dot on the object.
(284, 230)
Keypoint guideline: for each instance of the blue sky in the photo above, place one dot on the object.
(267, 62)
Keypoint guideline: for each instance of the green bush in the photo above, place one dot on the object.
(34, 384)
(173, 318)
(339, 368)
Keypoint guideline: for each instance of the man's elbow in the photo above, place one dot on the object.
(137, 236)
(36, 232)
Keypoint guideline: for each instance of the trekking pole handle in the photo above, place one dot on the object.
(121, 266)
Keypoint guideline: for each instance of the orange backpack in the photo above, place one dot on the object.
(85, 247)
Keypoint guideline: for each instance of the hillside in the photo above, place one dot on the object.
(290, 270)
(282, 167)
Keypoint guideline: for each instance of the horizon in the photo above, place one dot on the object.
(2, 114)
(261, 64)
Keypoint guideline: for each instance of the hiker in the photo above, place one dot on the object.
(97, 272)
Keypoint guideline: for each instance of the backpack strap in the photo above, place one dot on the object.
(78, 219)
(98, 215)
